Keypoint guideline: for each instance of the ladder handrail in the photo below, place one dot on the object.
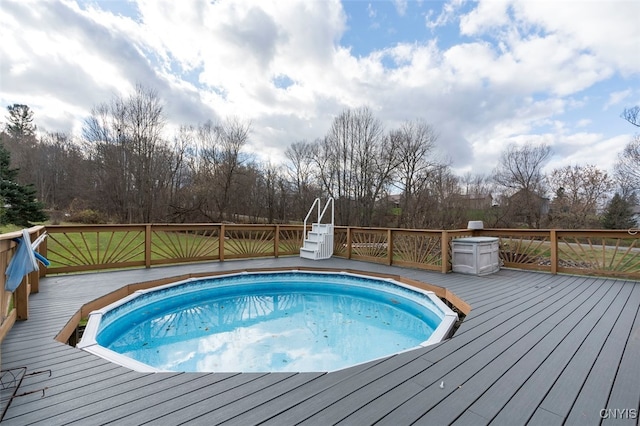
(330, 200)
(320, 247)
(304, 228)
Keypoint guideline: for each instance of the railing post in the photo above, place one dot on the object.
(34, 277)
(389, 247)
(21, 299)
(444, 248)
(276, 242)
(553, 239)
(147, 246)
(348, 242)
(34, 281)
(42, 249)
(221, 243)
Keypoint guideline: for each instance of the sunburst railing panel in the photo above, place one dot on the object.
(417, 249)
(249, 241)
(289, 240)
(340, 242)
(598, 252)
(530, 249)
(369, 244)
(90, 248)
(174, 244)
(533, 251)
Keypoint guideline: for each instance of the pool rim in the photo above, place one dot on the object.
(89, 344)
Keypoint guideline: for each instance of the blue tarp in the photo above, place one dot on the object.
(23, 261)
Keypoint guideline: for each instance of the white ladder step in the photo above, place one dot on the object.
(318, 243)
(308, 253)
(311, 245)
(314, 236)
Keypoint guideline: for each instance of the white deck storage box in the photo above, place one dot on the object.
(475, 255)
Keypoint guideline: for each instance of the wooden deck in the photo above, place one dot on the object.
(535, 349)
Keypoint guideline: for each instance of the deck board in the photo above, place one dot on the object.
(536, 347)
(556, 331)
(546, 361)
(287, 400)
(330, 396)
(565, 390)
(369, 392)
(625, 393)
(259, 399)
(194, 386)
(602, 374)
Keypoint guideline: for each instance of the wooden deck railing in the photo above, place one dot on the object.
(614, 253)
(97, 247)
(15, 305)
(415, 248)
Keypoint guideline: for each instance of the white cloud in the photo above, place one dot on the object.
(401, 6)
(519, 69)
(605, 30)
(609, 29)
(485, 17)
(583, 123)
(587, 148)
(446, 15)
(616, 97)
(371, 11)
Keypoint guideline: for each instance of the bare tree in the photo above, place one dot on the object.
(63, 172)
(446, 209)
(219, 163)
(102, 131)
(355, 161)
(627, 169)
(127, 138)
(580, 192)
(519, 173)
(416, 143)
(272, 193)
(181, 198)
(143, 125)
(476, 185)
(252, 202)
(632, 115)
(301, 174)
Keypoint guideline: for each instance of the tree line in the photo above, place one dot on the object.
(126, 168)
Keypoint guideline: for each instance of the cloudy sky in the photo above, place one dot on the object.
(485, 74)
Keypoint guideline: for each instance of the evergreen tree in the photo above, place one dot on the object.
(20, 121)
(19, 205)
(618, 214)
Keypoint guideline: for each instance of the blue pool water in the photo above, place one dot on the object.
(293, 321)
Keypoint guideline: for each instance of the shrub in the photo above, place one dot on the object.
(87, 217)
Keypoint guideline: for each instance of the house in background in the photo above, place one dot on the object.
(473, 201)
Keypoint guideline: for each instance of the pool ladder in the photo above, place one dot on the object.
(318, 242)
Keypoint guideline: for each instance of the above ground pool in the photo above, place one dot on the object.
(266, 322)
